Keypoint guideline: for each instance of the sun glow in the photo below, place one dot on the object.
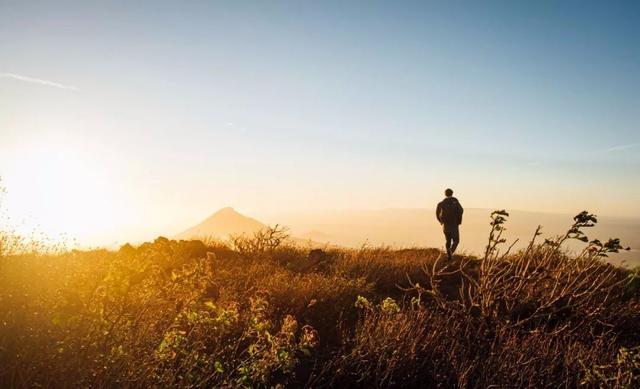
(60, 191)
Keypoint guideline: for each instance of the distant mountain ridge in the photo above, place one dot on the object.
(222, 224)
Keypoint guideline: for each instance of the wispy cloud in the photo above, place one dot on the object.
(619, 148)
(38, 81)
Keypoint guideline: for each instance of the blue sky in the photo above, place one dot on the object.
(164, 112)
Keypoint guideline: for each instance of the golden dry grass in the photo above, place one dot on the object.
(265, 313)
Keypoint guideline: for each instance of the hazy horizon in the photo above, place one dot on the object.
(402, 228)
(122, 121)
(149, 147)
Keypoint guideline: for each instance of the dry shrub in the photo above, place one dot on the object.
(383, 267)
(537, 318)
(263, 312)
(416, 346)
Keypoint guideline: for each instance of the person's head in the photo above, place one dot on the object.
(448, 192)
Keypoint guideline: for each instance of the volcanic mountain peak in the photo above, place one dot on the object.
(223, 223)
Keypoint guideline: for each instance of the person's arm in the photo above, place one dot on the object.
(438, 209)
(461, 211)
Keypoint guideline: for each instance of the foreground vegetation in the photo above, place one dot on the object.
(259, 312)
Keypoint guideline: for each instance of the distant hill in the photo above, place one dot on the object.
(221, 225)
(228, 222)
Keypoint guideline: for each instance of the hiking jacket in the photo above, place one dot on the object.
(449, 211)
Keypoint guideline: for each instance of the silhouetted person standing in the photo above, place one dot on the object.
(449, 214)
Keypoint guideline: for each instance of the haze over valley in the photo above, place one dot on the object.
(407, 228)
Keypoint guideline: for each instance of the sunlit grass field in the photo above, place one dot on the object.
(260, 311)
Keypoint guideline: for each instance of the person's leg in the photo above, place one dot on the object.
(455, 237)
(448, 241)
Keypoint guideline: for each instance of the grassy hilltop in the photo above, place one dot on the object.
(261, 312)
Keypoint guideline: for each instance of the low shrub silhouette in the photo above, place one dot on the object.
(262, 312)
